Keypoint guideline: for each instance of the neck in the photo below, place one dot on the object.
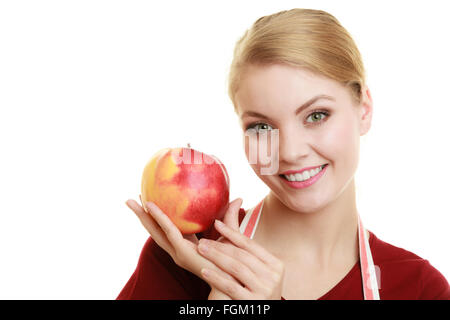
(321, 238)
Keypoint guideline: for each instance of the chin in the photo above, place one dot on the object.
(301, 206)
(304, 203)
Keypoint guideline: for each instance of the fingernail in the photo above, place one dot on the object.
(219, 223)
(206, 272)
(203, 246)
(149, 205)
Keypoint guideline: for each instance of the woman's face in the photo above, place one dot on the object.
(325, 131)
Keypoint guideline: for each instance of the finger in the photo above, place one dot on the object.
(238, 263)
(223, 239)
(261, 270)
(170, 229)
(228, 286)
(212, 266)
(217, 295)
(247, 244)
(151, 225)
(231, 218)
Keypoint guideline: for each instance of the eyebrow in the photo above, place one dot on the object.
(299, 109)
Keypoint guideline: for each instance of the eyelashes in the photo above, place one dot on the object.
(320, 121)
(322, 112)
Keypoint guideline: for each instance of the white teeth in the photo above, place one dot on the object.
(302, 177)
(306, 174)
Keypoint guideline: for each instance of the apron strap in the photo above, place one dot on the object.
(368, 274)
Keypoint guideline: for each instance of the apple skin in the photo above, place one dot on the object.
(191, 193)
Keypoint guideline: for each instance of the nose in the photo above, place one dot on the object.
(292, 146)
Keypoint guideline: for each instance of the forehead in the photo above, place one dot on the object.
(277, 85)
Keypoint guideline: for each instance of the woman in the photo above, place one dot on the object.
(297, 84)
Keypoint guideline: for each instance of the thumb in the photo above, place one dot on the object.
(231, 218)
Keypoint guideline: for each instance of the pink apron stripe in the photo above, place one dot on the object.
(368, 293)
(252, 221)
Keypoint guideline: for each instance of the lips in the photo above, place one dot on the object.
(301, 171)
(306, 183)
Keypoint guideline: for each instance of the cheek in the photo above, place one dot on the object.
(340, 144)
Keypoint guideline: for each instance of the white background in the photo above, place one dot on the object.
(90, 90)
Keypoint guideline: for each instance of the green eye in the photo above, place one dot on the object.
(264, 126)
(316, 116)
(260, 127)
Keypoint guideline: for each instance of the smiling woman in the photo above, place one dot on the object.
(298, 77)
(320, 132)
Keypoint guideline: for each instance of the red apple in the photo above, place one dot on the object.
(190, 187)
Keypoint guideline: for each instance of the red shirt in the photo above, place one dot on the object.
(403, 275)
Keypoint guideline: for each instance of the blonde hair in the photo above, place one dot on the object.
(305, 38)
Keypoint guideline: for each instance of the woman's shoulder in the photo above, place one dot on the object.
(388, 252)
(403, 273)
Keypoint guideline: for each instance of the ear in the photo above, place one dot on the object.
(366, 111)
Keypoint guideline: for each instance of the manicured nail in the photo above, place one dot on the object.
(219, 224)
(206, 272)
(203, 247)
(150, 206)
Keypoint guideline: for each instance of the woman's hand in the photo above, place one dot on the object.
(182, 248)
(256, 273)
